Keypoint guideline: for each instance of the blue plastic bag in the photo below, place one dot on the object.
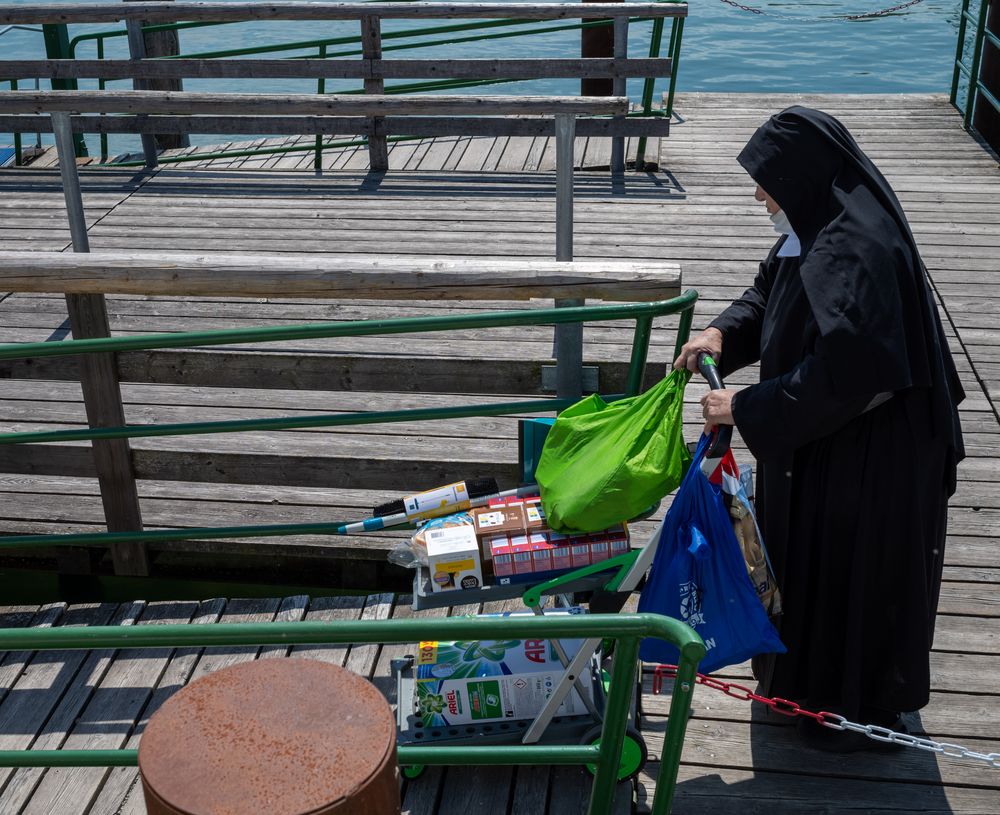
(699, 577)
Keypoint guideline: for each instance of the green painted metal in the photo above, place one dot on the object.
(655, 39)
(289, 423)
(359, 328)
(676, 35)
(673, 739)
(532, 597)
(977, 54)
(69, 758)
(390, 631)
(959, 49)
(56, 36)
(640, 351)
(976, 90)
(616, 711)
(627, 629)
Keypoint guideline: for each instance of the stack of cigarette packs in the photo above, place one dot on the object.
(513, 534)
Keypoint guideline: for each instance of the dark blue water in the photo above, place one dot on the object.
(792, 46)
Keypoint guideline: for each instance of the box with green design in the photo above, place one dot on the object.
(490, 681)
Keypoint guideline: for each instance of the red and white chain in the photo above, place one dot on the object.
(786, 707)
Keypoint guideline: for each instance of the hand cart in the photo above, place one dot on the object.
(613, 581)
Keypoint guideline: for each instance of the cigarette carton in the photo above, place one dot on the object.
(520, 549)
(502, 559)
(453, 558)
(541, 552)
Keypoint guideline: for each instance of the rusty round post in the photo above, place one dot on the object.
(281, 736)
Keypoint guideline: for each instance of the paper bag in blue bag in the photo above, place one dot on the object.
(699, 577)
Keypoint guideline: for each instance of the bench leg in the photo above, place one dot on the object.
(568, 344)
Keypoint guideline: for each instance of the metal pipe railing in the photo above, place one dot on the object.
(626, 629)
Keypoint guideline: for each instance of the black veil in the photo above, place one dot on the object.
(859, 263)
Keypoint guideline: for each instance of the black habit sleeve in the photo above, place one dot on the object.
(779, 415)
(741, 322)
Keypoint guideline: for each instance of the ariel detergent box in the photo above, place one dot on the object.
(490, 681)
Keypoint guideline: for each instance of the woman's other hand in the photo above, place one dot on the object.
(717, 408)
(708, 341)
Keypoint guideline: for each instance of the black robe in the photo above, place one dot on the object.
(852, 498)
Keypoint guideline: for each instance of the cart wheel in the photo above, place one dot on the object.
(412, 771)
(634, 752)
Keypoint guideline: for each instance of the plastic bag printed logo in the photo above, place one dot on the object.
(690, 596)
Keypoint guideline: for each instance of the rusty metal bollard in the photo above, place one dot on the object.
(275, 736)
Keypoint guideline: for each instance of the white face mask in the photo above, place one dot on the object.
(781, 223)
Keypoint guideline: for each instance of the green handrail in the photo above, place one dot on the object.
(355, 328)
(642, 313)
(976, 89)
(626, 629)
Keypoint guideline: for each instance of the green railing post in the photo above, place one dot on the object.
(673, 738)
(977, 54)
(683, 330)
(655, 40)
(640, 352)
(615, 719)
(959, 51)
(56, 36)
(676, 33)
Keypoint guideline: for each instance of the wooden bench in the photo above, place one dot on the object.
(373, 68)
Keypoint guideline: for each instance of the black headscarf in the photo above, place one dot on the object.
(859, 263)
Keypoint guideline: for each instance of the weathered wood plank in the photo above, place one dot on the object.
(337, 122)
(188, 68)
(189, 103)
(121, 793)
(57, 688)
(109, 717)
(725, 791)
(233, 12)
(13, 663)
(347, 278)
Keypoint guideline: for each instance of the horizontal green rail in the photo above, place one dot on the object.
(627, 629)
(289, 423)
(360, 328)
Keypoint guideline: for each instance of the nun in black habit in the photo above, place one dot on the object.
(854, 425)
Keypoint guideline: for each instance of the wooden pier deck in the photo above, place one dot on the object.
(486, 198)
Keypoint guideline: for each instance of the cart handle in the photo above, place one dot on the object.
(723, 432)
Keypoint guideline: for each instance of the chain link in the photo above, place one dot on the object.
(796, 18)
(834, 721)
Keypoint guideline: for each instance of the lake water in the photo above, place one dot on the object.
(790, 46)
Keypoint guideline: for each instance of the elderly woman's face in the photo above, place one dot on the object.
(769, 202)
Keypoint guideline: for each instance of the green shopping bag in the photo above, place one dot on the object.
(603, 463)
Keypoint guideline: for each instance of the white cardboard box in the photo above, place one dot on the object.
(453, 558)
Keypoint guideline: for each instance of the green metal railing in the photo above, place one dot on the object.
(420, 37)
(626, 629)
(976, 89)
(643, 315)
